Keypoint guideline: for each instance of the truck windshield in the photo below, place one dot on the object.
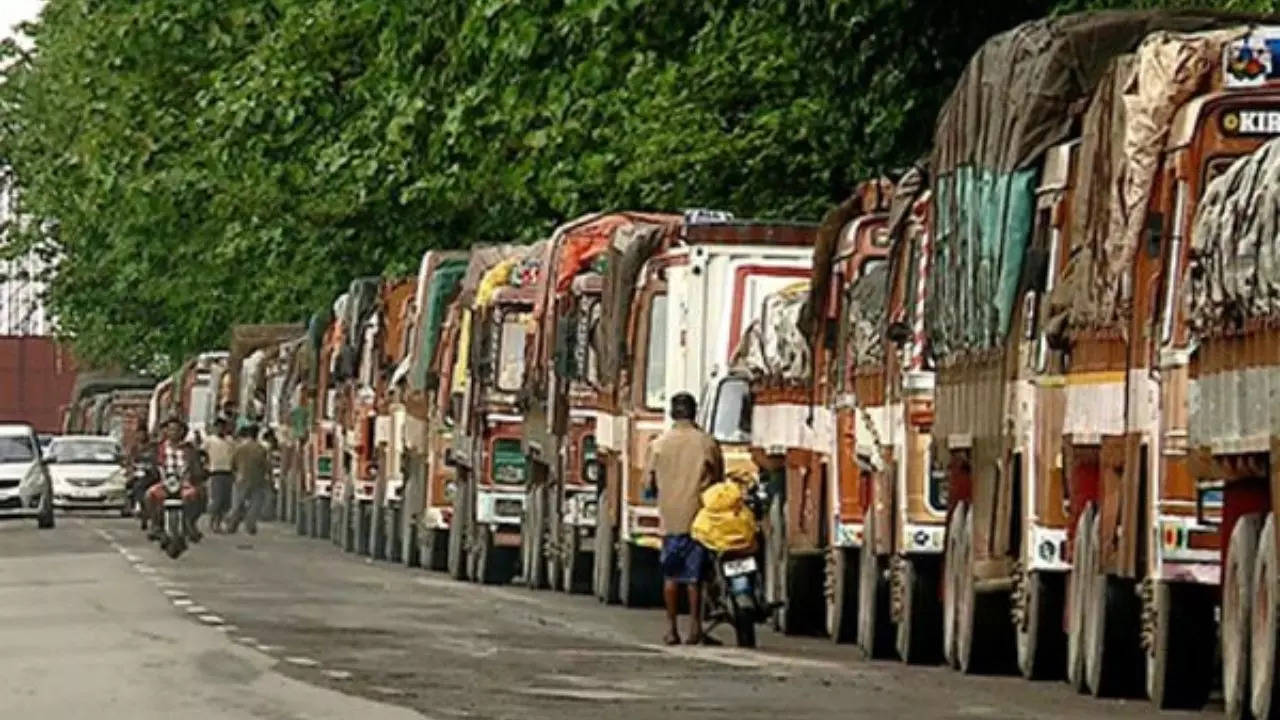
(655, 370)
(731, 420)
(201, 403)
(511, 356)
(16, 449)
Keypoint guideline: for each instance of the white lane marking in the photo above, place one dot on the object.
(268, 648)
(176, 593)
(211, 619)
(197, 609)
(337, 674)
(247, 640)
(145, 569)
(183, 602)
(302, 661)
(131, 557)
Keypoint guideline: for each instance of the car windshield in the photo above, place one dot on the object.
(84, 451)
(16, 448)
(731, 422)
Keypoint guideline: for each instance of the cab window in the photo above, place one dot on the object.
(655, 371)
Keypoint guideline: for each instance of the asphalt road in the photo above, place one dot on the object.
(94, 618)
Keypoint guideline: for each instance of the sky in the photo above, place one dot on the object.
(15, 11)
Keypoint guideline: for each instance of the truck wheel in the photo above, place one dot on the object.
(301, 525)
(875, 626)
(534, 546)
(604, 582)
(493, 565)
(919, 636)
(575, 578)
(984, 635)
(323, 512)
(376, 537)
(1078, 583)
(456, 555)
(1113, 660)
(391, 544)
(636, 586)
(952, 558)
(842, 595)
(410, 539)
(1182, 646)
(1264, 625)
(1040, 641)
(775, 566)
(1237, 609)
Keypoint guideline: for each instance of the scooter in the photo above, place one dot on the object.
(174, 538)
(735, 592)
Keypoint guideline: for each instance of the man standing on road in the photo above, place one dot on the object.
(252, 466)
(682, 462)
(219, 448)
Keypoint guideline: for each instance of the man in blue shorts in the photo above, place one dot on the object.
(682, 462)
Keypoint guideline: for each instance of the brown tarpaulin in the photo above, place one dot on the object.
(630, 248)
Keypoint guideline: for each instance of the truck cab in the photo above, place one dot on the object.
(676, 295)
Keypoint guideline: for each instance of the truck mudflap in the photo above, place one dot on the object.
(1046, 549)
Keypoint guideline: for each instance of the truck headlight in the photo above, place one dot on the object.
(592, 471)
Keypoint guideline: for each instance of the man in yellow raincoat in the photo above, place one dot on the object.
(682, 462)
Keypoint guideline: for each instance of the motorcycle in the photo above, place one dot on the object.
(140, 480)
(173, 539)
(735, 591)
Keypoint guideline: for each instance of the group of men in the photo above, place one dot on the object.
(228, 477)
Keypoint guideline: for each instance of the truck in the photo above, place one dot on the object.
(325, 472)
(252, 349)
(795, 428)
(36, 378)
(488, 505)
(105, 403)
(560, 400)
(191, 394)
(413, 390)
(675, 295)
(1169, 519)
(1041, 264)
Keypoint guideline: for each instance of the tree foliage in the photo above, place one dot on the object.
(196, 163)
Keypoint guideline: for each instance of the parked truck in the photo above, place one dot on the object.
(799, 437)
(676, 295)
(560, 400)
(488, 507)
(36, 378)
(325, 446)
(1042, 264)
(413, 390)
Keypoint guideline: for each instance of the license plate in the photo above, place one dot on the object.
(741, 566)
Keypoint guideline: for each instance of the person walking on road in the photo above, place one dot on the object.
(219, 448)
(251, 464)
(682, 462)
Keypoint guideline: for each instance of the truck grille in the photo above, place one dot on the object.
(508, 507)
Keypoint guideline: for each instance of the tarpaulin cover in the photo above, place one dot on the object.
(362, 300)
(775, 347)
(246, 339)
(478, 263)
(1234, 273)
(434, 294)
(1125, 129)
(1022, 93)
(92, 383)
(827, 245)
(629, 249)
(521, 269)
(866, 313)
(724, 522)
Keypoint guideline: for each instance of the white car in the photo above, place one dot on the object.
(26, 490)
(88, 473)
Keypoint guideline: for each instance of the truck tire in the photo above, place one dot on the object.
(1265, 624)
(984, 635)
(842, 595)
(361, 527)
(638, 584)
(1113, 658)
(919, 636)
(1078, 584)
(575, 576)
(1182, 646)
(1042, 646)
(604, 583)
(391, 534)
(456, 555)
(323, 516)
(376, 535)
(493, 565)
(533, 534)
(1237, 611)
(875, 625)
(433, 548)
(952, 557)
(301, 519)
